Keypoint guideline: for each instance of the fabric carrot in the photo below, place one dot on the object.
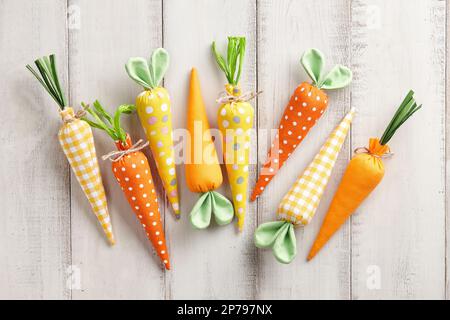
(153, 108)
(304, 109)
(300, 203)
(235, 119)
(132, 172)
(203, 173)
(77, 142)
(364, 172)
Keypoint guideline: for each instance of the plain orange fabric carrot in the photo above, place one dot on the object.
(203, 173)
(364, 172)
(132, 172)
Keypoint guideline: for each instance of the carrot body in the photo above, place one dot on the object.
(153, 108)
(77, 141)
(300, 203)
(364, 172)
(132, 172)
(304, 109)
(235, 119)
(203, 171)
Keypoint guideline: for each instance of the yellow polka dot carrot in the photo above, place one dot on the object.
(363, 174)
(299, 205)
(153, 108)
(203, 173)
(235, 119)
(132, 172)
(75, 137)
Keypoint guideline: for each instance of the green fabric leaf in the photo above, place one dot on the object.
(159, 63)
(209, 203)
(285, 247)
(280, 236)
(138, 70)
(200, 215)
(313, 60)
(222, 208)
(339, 77)
(267, 233)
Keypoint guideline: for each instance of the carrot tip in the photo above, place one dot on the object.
(310, 256)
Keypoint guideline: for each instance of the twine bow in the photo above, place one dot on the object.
(225, 97)
(366, 150)
(119, 154)
(68, 115)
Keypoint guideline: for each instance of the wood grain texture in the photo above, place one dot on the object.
(217, 262)
(97, 59)
(35, 219)
(281, 42)
(398, 231)
(395, 246)
(447, 150)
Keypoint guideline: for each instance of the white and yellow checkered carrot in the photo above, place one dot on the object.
(299, 205)
(76, 139)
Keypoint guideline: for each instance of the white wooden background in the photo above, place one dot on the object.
(397, 244)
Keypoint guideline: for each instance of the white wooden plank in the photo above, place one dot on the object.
(398, 242)
(34, 228)
(110, 32)
(218, 262)
(285, 30)
(447, 151)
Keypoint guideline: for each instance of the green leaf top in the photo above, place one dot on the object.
(209, 203)
(406, 109)
(47, 75)
(149, 74)
(104, 121)
(232, 67)
(313, 62)
(280, 236)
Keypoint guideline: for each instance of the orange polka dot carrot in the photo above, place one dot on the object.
(304, 109)
(132, 171)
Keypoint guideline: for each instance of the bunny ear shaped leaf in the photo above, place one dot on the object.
(267, 233)
(313, 61)
(159, 63)
(285, 246)
(211, 202)
(200, 215)
(279, 235)
(222, 209)
(339, 77)
(138, 70)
